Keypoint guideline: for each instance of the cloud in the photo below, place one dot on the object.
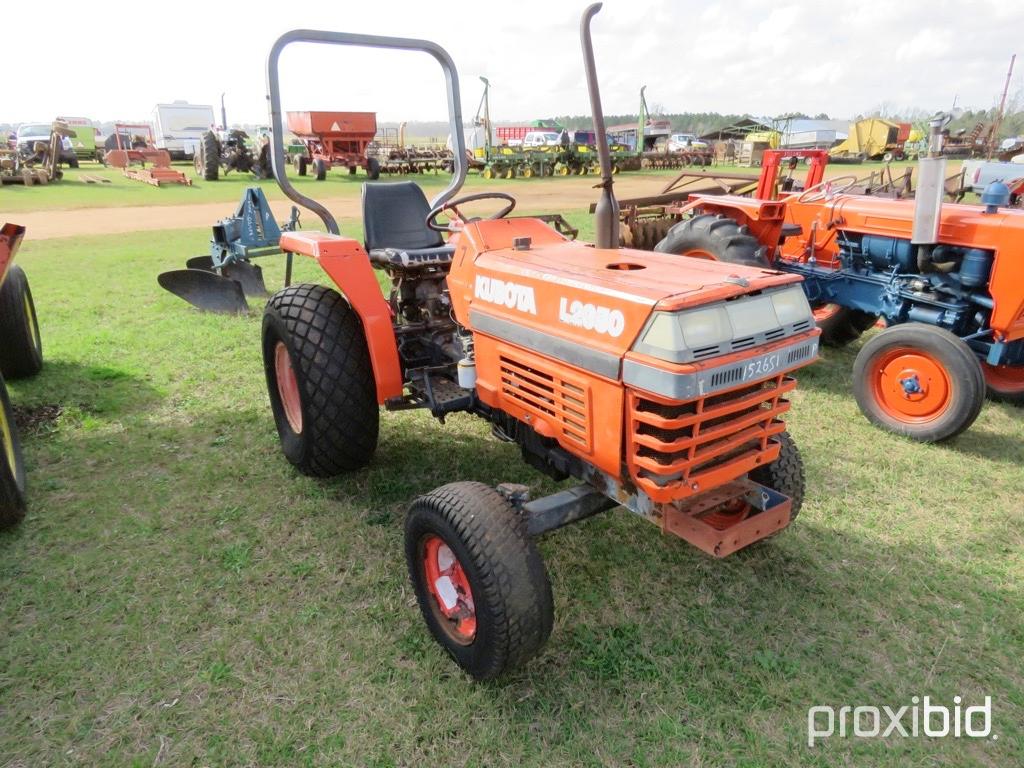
(744, 56)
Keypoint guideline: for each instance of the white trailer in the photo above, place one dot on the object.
(179, 127)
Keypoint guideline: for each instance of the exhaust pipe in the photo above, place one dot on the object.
(606, 213)
(931, 187)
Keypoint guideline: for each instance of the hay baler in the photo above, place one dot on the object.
(658, 383)
(947, 280)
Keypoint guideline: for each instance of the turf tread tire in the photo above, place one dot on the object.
(720, 236)
(21, 346)
(785, 474)
(511, 589)
(327, 346)
(961, 364)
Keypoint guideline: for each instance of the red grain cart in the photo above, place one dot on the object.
(334, 138)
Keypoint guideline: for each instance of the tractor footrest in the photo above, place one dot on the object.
(728, 518)
(445, 396)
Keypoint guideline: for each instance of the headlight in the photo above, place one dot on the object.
(791, 305)
(708, 331)
(752, 316)
(705, 327)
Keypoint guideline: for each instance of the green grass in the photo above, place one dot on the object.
(72, 192)
(178, 595)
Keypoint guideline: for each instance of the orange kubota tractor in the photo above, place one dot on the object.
(947, 280)
(657, 382)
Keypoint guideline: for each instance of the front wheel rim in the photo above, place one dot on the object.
(448, 590)
(288, 387)
(823, 312)
(30, 321)
(7, 443)
(911, 385)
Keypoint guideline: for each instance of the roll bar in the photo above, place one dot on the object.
(451, 77)
(606, 213)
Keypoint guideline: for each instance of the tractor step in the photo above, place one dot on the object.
(445, 396)
(431, 388)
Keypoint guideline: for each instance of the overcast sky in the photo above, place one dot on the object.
(842, 58)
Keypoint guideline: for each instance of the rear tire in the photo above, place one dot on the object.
(716, 237)
(320, 380)
(209, 154)
(785, 474)
(373, 169)
(505, 610)
(841, 325)
(21, 349)
(320, 168)
(12, 466)
(920, 381)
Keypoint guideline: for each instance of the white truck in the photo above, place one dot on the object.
(179, 127)
(978, 174)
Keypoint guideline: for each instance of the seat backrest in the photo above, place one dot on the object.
(394, 216)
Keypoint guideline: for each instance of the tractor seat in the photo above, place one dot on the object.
(395, 227)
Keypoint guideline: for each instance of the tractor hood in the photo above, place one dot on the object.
(530, 283)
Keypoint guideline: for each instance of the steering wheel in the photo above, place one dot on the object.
(453, 205)
(827, 188)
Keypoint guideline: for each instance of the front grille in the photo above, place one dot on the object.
(555, 399)
(679, 449)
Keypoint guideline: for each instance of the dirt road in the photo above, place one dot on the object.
(553, 195)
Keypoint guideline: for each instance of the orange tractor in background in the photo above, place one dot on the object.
(946, 279)
(658, 383)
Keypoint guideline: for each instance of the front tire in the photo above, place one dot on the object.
(320, 168)
(841, 325)
(320, 380)
(480, 582)
(12, 466)
(920, 381)
(21, 347)
(714, 237)
(785, 474)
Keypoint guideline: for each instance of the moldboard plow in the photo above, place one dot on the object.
(221, 281)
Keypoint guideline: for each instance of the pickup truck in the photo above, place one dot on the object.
(978, 174)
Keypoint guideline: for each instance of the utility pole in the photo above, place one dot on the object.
(994, 136)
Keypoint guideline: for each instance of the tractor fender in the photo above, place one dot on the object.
(347, 264)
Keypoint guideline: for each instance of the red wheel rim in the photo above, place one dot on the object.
(1005, 379)
(910, 385)
(448, 586)
(700, 253)
(288, 387)
(823, 312)
(727, 515)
